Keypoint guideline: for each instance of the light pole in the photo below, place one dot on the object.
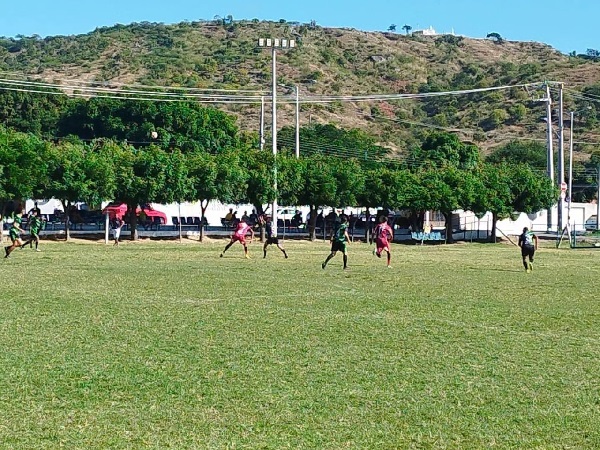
(297, 122)
(274, 44)
(550, 155)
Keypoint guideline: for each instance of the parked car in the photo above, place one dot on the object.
(120, 210)
(591, 223)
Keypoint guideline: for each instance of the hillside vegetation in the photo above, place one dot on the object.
(328, 61)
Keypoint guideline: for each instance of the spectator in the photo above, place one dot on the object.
(229, 215)
(297, 219)
(143, 219)
(245, 217)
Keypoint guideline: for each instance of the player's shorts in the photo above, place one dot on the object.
(14, 234)
(34, 232)
(527, 251)
(338, 246)
(116, 233)
(272, 241)
(382, 244)
(240, 239)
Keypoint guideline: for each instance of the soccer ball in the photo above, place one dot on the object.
(154, 135)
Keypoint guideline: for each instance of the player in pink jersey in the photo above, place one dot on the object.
(240, 236)
(383, 234)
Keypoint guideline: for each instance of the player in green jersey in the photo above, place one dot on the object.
(35, 225)
(15, 235)
(339, 242)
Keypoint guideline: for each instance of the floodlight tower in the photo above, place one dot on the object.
(274, 44)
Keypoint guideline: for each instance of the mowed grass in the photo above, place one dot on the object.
(166, 345)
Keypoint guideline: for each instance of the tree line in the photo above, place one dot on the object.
(441, 173)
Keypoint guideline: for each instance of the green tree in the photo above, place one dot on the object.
(407, 29)
(495, 37)
(392, 28)
(140, 178)
(320, 187)
(441, 149)
(23, 167)
(531, 153)
(77, 172)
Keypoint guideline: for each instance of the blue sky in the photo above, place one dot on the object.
(566, 25)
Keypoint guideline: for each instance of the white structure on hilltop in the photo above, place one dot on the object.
(426, 32)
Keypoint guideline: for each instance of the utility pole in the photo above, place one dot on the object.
(262, 122)
(297, 122)
(550, 155)
(274, 205)
(570, 171)
(561, 157)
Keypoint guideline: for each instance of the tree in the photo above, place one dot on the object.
(203, 171)
(320, 187)
(392, 28)
(507, 188)
(407, 29)
(495, 37)
(78, 172)
(444, 190)
(140, 178)
(22, 167)
(440, 149)
(186, 126)
(531, 153)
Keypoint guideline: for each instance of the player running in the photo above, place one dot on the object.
(15, 235)
(529, 244)
(35, 225)
(383, 234)
(240, 236)
(268, 224)
(339, 240)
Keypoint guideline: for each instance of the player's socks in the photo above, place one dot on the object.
(323, 265)
(221, 255)
(285, 254)
(345, 262)
(530, 267)
(6, 252)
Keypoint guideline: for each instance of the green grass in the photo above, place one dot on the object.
(164, 345)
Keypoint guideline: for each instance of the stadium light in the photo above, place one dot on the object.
(274, 44)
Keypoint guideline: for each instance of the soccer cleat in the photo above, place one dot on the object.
(37, 250)
(389, 267)
(323, 266)
(247, 256)
(373, 252)
(221, 255)
(285, 254)
(530, 267)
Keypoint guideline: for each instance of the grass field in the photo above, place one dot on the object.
(166, 345)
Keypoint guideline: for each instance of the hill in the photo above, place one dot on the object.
(222, 54)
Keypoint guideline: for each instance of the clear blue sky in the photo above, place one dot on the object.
(566, 25)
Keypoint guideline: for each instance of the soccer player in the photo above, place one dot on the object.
(339, 240)
(266, 221)
(240, 236)
(35, 225)
(529, 244)
(383, 233)
(15, 235)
